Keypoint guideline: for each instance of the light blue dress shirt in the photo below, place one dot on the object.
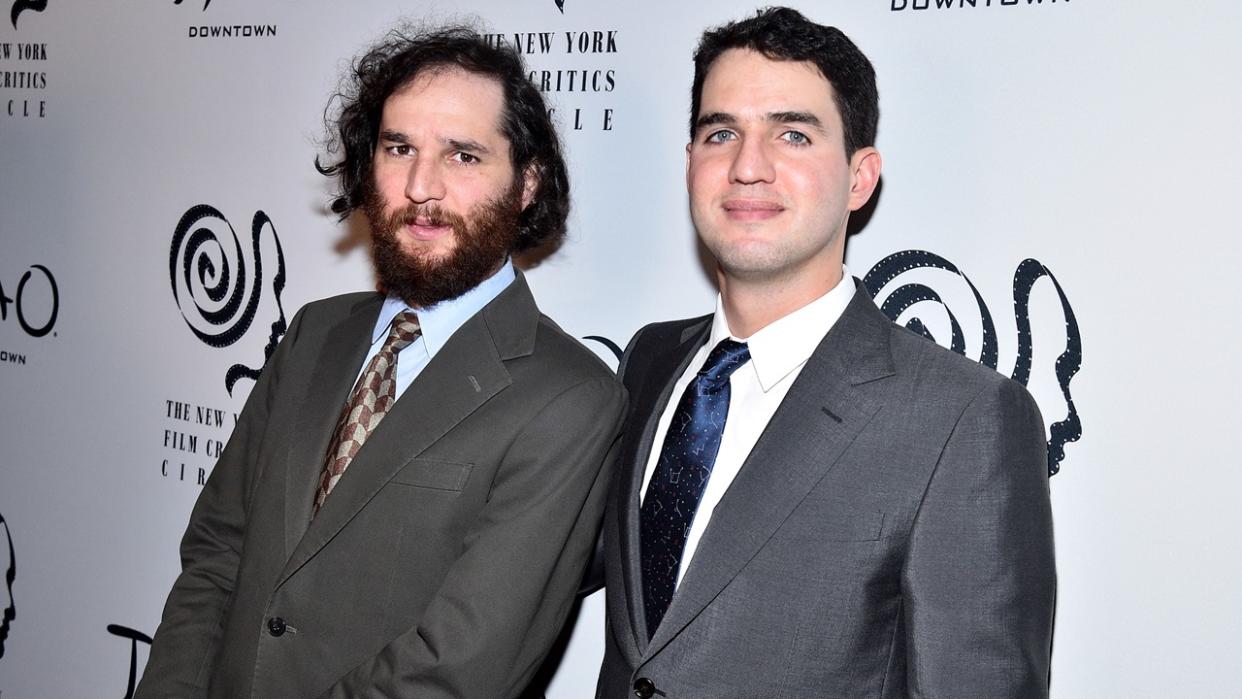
(438, 323)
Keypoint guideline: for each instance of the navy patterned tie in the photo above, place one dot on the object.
(681, 474)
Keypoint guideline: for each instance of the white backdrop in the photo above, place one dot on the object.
(1096, 138)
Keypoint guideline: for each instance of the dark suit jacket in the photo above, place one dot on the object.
(890, 534)
(445, 560)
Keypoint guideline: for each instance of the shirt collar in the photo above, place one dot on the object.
(788, 342)
(443, 319)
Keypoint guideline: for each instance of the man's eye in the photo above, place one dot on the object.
(796, 138)
(719, 136)
(467, 158)
(401, 149)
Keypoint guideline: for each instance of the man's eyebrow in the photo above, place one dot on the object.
(394, 136)
(795, 118)
(468, 146)
(786, 117)
(714, 119)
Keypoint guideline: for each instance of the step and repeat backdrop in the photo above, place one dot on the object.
(1058, 202)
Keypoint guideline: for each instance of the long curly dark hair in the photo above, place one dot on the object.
(353, 116)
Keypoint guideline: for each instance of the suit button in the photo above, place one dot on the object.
(276, 626)
(644, 688)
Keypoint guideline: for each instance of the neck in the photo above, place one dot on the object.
(752, 305)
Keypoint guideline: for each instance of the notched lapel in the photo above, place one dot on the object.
(335, 373)
(463, 375)
(820, 417)
(655, 393)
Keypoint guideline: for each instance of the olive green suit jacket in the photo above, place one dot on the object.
(446, 559)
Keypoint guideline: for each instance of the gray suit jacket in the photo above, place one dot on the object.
(890, 534)
(445, 560)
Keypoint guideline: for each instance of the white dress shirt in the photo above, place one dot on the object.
(777, 354)
(438, 324)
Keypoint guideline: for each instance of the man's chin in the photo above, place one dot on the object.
(429, 252)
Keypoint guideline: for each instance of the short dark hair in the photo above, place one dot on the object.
(403, 55)
(784, 34)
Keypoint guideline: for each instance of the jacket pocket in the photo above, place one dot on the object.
(854, 525)
(437, 475)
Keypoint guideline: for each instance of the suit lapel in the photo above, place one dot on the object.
(329, 388)
(820, 416)
(654, 394)
(463, 375)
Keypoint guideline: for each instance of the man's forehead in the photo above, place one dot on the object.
(758, 73)
(746, 85)
(444, 71)
(471, 100)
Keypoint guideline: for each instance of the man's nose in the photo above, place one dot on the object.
(752, 163)
(425, 181)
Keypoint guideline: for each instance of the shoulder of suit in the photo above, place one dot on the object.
(570, 355)
(340, 305)
(317, 316)
(653, 340)
(666, 333)
(926, 361)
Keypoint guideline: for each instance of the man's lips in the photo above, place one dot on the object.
(751, 209)
(427, 229)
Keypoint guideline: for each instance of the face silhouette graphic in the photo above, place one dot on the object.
(9, 566)
(223, 283)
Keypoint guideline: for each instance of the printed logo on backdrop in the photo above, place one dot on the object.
(10, 574)
(33, 308)
(574, 70)
(23, 74)
(899, 5)
(20, 6)
(220, 284)
(248, 29)
(134, 637)
(906, 273)
(560, 5)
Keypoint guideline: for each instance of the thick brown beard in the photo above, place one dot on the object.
(483, 239)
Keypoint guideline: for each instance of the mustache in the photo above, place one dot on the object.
(410, 214)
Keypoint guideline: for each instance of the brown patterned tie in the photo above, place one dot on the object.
(372, 398)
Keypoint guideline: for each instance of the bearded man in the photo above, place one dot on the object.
(409, 498)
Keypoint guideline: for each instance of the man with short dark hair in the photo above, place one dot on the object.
(408, 500)
(812, 501)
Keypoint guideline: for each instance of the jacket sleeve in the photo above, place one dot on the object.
(594, 578)
(979, 580)
(185, 646)
(506, 597)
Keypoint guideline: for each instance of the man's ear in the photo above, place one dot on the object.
(865, 167)
(530, 184)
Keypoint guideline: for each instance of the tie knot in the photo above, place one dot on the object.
(723, 360)
(405, 329)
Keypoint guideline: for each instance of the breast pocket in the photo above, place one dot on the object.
(856, 525)
(434, 475)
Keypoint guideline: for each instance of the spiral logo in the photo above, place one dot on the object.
(217, 283)
(20, 6)
(892, 271)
